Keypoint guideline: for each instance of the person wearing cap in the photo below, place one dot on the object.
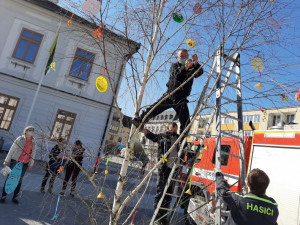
(22, 150)
(253, 208)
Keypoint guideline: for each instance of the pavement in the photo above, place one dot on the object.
(36, 208)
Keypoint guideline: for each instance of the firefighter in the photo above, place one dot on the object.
(179, 73)
(254, 208)
(165, 141)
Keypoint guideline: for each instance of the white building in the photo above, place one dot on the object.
(68, 104)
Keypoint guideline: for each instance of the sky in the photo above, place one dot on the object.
(276, 79)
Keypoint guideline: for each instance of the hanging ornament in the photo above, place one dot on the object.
(91, 7)
(177, 17)
(98, 33)
(274, 23)
(163, 159)
(264, 114)
(52, 66)
(60, 169)
(93, 176)
(257, 64)
(106, 172)
(134, 214)
(101, 195)
(70, 20)
(101, 84)
(107, 161)
(258, 86)
(190, 43)
(197, 8)
(284, 98)
(297, 96)
(121, 147)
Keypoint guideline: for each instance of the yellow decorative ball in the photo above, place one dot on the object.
(106, 172)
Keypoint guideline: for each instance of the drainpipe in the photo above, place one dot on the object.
(125, 59)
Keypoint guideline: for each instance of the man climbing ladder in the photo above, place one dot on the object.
(179, 73)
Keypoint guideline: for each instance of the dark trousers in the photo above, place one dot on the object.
(180, 106)
(71, 169)
(17, 190)
(47, 175)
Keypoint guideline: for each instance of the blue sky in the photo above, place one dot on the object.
(281, 60)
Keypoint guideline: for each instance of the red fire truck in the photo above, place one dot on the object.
(275, 152)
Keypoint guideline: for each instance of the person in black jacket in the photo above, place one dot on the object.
(72, 168)
(179, 73)
(254, 208)
(165, 141)
(55, 157)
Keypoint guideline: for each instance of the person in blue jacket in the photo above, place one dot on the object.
(53, 164)
(255, 208)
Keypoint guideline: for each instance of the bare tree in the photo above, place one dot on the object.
(244, 26)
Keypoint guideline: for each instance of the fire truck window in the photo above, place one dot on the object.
(224, 158)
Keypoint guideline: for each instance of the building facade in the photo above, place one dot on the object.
(266, 119)
(68, 104)
(118, 133)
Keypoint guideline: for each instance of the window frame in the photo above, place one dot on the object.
(8, 107)
(58, 120)
(288, 118)
(227, 157)
(82, 59)
(30, 41)
(273, 118)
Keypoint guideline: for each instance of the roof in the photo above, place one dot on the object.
(46, 4)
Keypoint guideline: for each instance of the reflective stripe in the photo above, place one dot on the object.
(257, 198)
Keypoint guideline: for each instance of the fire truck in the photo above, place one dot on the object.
(277, 152)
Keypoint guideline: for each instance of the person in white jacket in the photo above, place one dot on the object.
(22, 150)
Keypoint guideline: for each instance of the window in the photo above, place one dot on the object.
(28, 45)
(8, 106)
(162, 117)
(166, 117)
(224, 158)
(290, 118)
(253, 118)
(276, 120)
(256, 118)
(111, 137)
(248, 133)
(63, 125)
(226, 120)
(171, 117)
(202, 123)
(119, 139)
(82, 64)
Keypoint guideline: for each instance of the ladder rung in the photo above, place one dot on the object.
(235, 156)
(230, 134)
(173, 195)
(233, 85)
(190, 151)
(231, 176)
(228, 99)
(168, 209)
(231, 117)
(178, 164)
(231, 71)
(229, 58)
(180, 181)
